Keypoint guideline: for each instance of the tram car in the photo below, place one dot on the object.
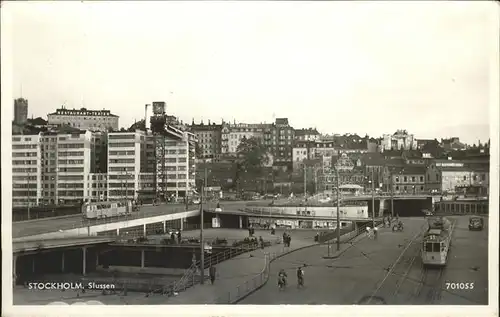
(107, 209)
(436, 242)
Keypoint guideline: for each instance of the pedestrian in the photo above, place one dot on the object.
(212, 274)
(172, 236)
(375, 231)
(179, 237)
(261, 241)
(289, 240)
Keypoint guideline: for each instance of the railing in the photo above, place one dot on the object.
(243, 290)
(191, 278)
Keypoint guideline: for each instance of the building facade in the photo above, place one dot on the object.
(55, 167)
(306, 134)
(209, 139)
(409, 180)
(94, 120)
(400, 140)
(20, 111)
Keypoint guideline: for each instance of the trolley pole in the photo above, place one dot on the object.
(305, 187)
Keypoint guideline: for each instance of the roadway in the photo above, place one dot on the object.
(363, 274)
(46, 225)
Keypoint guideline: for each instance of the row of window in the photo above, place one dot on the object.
(24, 170)
(122, 161)
(76, 153)
(406, 178)
(24, 146)
(122, 144)
(24, 154)
(121, 153)
(23, 162)
(71, 146)
(121, 136)
(72, 162)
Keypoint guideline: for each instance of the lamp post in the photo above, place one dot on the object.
(373, 199)
(202, 244)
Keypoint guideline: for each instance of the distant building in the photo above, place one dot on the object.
(20, 111)
(93, 120)
(453, 176)
(209, 139)
(452, 144)
(307, 134)
(408, 179)
(400, 140)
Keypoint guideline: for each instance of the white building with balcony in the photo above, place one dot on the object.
(26, 170)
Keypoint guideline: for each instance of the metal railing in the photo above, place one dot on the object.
(249, 286)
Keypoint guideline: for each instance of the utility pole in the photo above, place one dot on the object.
(202, 244)
(338, 204)
(29, 194)
(392, 195)
(305, 187)
(373, 199)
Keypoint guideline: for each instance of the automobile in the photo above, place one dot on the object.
(428, 213)
(476, 223)
(196, 201)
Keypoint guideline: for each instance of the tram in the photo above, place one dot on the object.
(107, 209)
(436, 242)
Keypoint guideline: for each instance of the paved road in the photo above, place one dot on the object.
(342, 281)
(45, 225)
(363, 272)
(468, 263)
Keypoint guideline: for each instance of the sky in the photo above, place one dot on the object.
(341, 67)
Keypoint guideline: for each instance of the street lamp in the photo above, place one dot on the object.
(372, 182)
(202, 244)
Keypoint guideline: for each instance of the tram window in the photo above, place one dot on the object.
(428, 247)
(436, 247)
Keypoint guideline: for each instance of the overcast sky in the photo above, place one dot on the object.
(358, 67)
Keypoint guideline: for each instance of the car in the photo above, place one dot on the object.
(476, 223)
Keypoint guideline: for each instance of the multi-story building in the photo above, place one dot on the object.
(306, 134)
(209, 139)
(311, 150)
(175, 167)
(94, 120)
(55, 166)
(400, 140)
(232, 134)
(26, 170)
(452, 176)
(408, 179)
(20, 110)
(281, 143)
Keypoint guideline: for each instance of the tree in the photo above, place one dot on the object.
(139, 125)
(251, 158)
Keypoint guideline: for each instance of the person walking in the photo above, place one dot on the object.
(212, 273)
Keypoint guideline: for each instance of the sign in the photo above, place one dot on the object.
(449, 164)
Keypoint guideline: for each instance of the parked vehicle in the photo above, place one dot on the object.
(476, 223)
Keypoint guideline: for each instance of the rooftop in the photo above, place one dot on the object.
(82, 112)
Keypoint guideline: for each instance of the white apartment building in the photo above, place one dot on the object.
(137, 171)
(75, 153)
(56, 167)
(84, 119)
(26, 170)
(176, 173)
(125, 150)
(232, 134)
(400, 140)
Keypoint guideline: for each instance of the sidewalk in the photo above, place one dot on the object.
(232, 273)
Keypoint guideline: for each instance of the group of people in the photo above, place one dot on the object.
(282, 277)
(286, 239)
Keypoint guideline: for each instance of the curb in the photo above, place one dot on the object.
(287, 253)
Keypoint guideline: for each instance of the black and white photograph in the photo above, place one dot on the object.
(258, 154)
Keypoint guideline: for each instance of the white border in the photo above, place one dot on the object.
(289, 310)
